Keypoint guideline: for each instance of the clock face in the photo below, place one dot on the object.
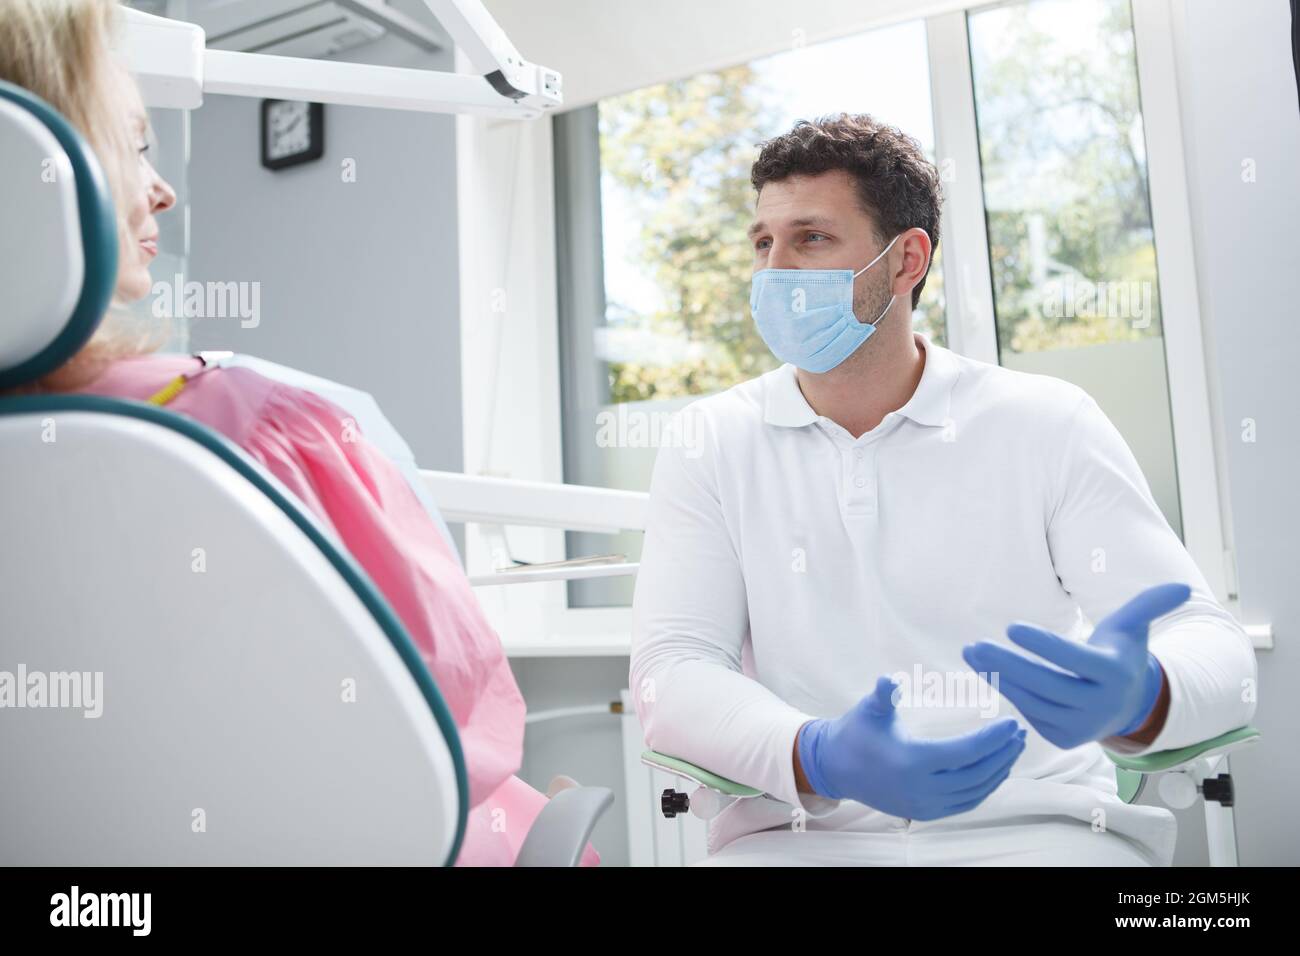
(292, 132)
(288, 129)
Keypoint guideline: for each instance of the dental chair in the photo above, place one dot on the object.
(1182, 775)
(261, 704)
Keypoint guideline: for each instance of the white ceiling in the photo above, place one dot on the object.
(604, 47)
(306, 28)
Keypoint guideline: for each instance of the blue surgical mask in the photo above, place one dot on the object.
(806, 315)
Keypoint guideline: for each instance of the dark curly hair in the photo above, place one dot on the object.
(899, 188)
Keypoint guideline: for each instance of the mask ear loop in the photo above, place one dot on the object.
(878, 258)
(890, 304)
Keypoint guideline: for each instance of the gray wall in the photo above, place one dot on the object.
(359, 281)
(589, 747)
(1239, 102)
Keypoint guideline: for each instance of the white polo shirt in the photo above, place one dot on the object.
(787, 566)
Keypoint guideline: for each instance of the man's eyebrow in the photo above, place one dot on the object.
(796, 223)
(813, 221)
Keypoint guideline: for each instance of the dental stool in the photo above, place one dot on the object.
(1182, 775)
(192, 669)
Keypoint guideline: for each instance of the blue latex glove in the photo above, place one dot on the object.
(1109, 685)
(865, 756)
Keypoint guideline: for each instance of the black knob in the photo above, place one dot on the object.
(1218, 788)
(673, 803)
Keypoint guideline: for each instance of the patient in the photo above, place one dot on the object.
(61, 51)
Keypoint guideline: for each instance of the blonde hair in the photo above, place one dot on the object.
(62, 51)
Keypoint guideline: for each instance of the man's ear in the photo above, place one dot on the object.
(913, 261)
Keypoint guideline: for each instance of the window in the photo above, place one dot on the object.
(1071, 245)
(667, 319)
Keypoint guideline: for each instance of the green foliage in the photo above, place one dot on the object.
(1064, 171)
(681, 152)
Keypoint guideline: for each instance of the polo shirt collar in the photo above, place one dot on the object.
(930, 404)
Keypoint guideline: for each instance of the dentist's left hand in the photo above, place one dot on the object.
(865, 755)
(1109, 686)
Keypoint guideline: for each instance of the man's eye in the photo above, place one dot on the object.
(817, 235)
(762, 244)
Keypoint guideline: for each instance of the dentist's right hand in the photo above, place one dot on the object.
(866, 756)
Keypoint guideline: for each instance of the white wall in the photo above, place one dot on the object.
(511, 399)
(1239, 103)
(509, 343)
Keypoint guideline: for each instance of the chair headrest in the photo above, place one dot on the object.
(58, 238)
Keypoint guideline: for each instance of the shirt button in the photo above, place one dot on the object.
(861, 482)
(857, 455)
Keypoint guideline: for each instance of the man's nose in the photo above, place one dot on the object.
(781, 256)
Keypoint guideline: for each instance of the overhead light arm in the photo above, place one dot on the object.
(174, 69)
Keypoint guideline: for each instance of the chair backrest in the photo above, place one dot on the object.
(58, 238)
(191, 669)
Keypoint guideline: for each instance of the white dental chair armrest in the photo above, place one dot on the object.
(560, 833)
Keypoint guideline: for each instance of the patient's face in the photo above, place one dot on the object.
(150, 194)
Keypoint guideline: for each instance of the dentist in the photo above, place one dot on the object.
(879, 507)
